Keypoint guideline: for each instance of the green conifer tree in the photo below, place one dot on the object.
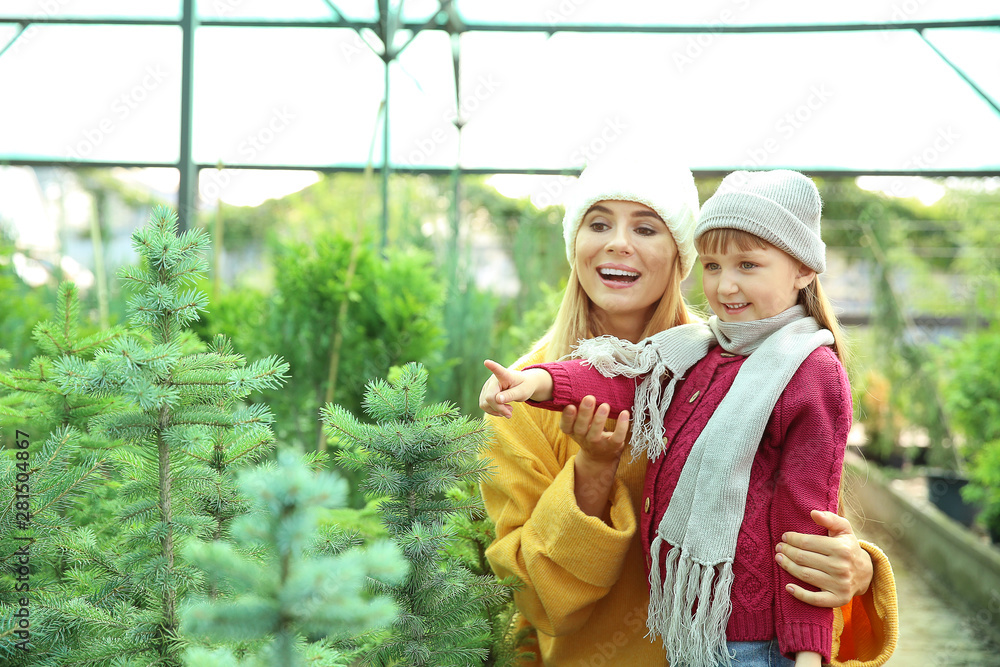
(475, 532)
(413, 455)
(286, 593)
(60, 462)
(184, 433)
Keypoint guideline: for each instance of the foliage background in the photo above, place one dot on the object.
(301, 272)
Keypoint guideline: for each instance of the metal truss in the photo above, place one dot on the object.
(387, 24)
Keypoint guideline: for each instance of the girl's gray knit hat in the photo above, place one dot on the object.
(667, 189)
(780, 206)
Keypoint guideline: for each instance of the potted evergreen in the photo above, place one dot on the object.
(973, 399)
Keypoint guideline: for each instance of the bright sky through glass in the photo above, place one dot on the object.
(872, 100)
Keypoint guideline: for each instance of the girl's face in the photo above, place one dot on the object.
(742, 286)
(624, 260)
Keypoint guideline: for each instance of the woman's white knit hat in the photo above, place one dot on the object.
(780, 206)
(668, 190)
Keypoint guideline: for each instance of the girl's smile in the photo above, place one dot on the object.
(748, 285)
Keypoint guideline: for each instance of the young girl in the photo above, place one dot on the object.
(754, 440)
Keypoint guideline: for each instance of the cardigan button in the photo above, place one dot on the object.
(727, 354)
(647, 505)
(694, 396)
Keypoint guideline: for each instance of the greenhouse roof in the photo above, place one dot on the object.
(893, 86)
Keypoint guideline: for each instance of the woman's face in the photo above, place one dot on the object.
(624, 261)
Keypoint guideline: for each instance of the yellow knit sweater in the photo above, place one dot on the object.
(585, 590)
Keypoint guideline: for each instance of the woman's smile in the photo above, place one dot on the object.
(624, 259)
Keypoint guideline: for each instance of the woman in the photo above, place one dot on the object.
(566, 508)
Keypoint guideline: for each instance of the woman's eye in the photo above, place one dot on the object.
(645, 231)
(598, 225)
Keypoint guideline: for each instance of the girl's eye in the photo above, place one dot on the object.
(747, 265)
(711, 266)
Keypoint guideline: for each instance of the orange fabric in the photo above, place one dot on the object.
(866, 630)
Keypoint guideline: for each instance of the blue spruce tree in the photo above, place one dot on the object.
(285, 590)
(55, 463)
(184, 432)
(413, 454)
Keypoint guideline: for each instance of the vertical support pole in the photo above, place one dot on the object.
(456, 174)
(387, 27)
(385, 156)
(100, 271)
(187, 191)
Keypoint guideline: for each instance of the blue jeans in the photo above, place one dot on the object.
(758, 654)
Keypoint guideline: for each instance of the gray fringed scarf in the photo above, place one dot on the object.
(689, 604)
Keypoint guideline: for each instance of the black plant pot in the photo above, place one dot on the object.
(944, 489)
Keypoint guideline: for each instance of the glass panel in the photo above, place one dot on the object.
(359, 10)
(7, 33)
(422, 104)
(264, 9)
(878, 101)
(92, 8)
(297, 96)
(976, 52)
(420, 10)
(415, 11)
(310, 97)
(93, 93)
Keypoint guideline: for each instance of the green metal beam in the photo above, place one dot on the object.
(20, 31)
(208, 22)
(526, 27)
(723, 28)
(707, 172)
(965, 77)
(187, 191)
(386, 32)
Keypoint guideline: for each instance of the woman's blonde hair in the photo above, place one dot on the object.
(811, 297)
(577, 320)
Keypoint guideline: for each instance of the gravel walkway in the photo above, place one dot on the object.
(935, 631)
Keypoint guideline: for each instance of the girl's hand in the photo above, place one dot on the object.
(510, 386)
(586, 425)
(837, 564)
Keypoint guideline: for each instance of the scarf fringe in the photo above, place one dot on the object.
(689, 608)
(612, 357)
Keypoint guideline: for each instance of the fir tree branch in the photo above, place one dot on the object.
(68, 490)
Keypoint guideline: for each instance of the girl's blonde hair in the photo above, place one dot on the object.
(576, 319)
(811, 297)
